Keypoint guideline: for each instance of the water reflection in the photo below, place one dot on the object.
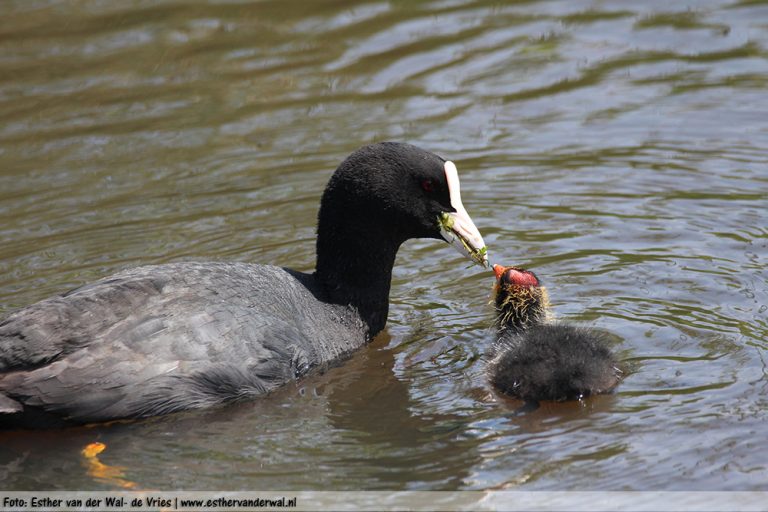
(113, 475)
(373, 408)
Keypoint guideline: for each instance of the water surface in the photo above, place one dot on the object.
(618, 149)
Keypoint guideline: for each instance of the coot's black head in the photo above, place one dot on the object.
(379, 197)
(519, 298)
(396, 192)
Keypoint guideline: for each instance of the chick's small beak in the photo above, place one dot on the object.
(498, 270)
(457, 227)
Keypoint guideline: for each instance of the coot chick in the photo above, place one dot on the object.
(536, 360)
(158, 339)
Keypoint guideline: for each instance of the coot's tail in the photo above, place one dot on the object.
(14, 415)
(9, 405)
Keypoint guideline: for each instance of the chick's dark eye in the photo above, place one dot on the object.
(427, 185)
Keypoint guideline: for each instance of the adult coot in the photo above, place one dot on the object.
(158, 339)
(535, 360)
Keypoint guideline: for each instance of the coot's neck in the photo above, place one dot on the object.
(354, 266)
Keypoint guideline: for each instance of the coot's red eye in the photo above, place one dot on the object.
(427, 185)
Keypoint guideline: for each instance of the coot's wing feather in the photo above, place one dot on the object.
(91, 385)
(55, 327)
(211, 343)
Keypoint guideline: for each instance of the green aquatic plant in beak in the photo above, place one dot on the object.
(457, 227)
(447, 228)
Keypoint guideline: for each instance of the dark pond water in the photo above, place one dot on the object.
(619, 149)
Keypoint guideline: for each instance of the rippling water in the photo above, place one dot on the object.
(618, 149)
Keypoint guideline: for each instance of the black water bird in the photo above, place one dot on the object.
(158, 339)
(535, 359)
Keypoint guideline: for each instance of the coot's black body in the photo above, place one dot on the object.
(158, 339)
(535, 360)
